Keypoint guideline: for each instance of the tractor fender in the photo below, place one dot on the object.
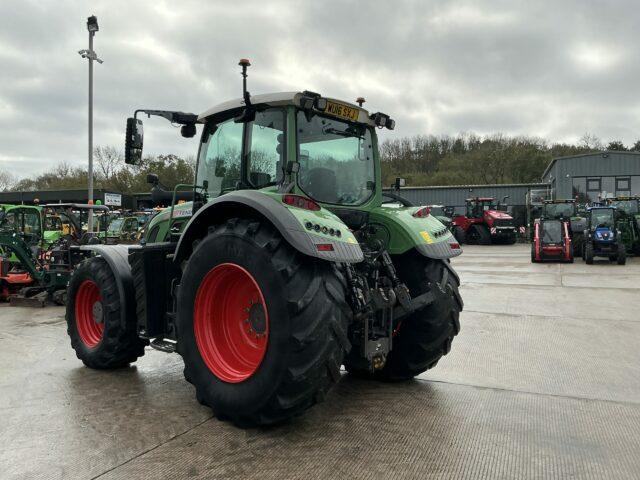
(252, 202)
(117, 257)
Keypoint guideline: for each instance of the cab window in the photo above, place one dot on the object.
(219, 161)
(265, 136)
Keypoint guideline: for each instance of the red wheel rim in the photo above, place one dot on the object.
(231, 323)
(89, 314)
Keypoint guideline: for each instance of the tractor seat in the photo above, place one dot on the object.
(322, 185)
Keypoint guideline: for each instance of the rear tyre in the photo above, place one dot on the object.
(460, 235)
(262, 328)
(94, 322)
(588, 253)
(425, 336)
(622, 254)
(570, 259)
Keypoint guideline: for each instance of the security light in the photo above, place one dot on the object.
(92, 24)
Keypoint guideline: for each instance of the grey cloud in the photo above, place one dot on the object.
(554, 69)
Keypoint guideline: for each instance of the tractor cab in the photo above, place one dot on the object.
(559, 209)
(602, 235)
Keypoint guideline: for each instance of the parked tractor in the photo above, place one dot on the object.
(602, 237)
(484, 223)
(628, 221)
(123, 230)
(33, 271)
(283, 267)
(552, 233)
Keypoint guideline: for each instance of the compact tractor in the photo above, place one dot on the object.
(284, 265)
(552, 234)
(628, 221)
(484, 223)
(602, 236)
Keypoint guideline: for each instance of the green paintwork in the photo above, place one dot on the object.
(398, 229)
(406, 231)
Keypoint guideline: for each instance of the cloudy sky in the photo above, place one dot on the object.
(555, 69)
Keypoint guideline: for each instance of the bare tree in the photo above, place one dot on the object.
(591, 142)
(109, 161)
(7, 180)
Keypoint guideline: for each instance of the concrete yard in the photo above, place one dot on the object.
(542, 382)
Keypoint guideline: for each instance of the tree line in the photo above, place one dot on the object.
(424, 160)
(469, 159)
(110, 173)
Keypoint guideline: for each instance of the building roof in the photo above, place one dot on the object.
(591, 154)
(492, 185)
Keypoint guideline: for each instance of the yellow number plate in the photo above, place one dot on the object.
(342, 111)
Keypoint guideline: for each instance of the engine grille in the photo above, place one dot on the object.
(503, 222)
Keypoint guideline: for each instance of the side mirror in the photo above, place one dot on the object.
(133, 142)
(152, 179)
(188, 130)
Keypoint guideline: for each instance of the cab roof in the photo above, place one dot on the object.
(273, 99)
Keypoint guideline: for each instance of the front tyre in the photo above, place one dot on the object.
(261, 327)
(99, 335)
(426, 335)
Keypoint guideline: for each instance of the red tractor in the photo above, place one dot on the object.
(484, 223)
(552, 232)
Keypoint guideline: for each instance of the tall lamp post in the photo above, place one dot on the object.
(92, 26)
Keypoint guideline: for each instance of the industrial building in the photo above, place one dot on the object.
(594, 176)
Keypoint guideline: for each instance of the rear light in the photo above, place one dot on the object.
(454, 246)
(422, 213)
(324, 247)
(300, 202)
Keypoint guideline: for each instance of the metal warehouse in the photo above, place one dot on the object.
(594, 175)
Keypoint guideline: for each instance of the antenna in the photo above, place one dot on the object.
(360, 101)
(245, 63)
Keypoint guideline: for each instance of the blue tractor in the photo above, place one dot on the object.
(602, 238)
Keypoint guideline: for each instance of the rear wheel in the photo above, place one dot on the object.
(99, 335)
(261, 327)
(422, 338)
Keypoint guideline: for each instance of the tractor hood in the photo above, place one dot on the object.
(497, 215)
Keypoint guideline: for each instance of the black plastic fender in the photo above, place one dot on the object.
(241, 202)
(117, 257)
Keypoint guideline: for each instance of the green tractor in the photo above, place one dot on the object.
(124, 230)
(628, 221)
(284, 265)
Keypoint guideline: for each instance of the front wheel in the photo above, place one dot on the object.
(100, 335)
(622, 254)
(261, 327)
(588, 253)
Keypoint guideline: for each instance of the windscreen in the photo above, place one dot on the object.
(601, 217)
(552, 232)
